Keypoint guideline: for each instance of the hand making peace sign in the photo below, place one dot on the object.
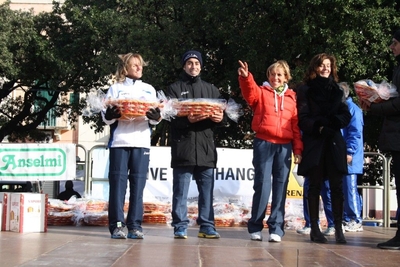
(244, 69)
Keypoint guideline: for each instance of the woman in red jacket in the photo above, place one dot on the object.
(275, 123)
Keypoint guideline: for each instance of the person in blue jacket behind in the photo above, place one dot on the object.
(353, 135)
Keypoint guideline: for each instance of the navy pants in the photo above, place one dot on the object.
(127, 163)
(272, 164)
(204, 177)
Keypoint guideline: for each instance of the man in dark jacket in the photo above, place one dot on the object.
(193, 150)
(69, 191)
(389, 139)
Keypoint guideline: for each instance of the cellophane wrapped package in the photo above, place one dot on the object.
(201, 106)
(130, 109)
(375, 92)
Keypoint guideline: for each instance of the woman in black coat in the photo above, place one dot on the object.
(322, 113)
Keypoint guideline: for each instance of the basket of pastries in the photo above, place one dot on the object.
(132, 108)
(149, 207)
(96, 205)
(155, 217)
(199, 106)
(226, 220)
(60, 218)
(60, 213)
(96, 218)
(373, 92)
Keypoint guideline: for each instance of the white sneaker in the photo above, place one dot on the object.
(257, 236)
(274, 238)
(352, 226)
(304, 231)
(118, 233)
(329, 231)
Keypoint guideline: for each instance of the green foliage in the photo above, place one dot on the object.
(74, 49)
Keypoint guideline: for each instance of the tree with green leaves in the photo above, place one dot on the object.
(74, 48)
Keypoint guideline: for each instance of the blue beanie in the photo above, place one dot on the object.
(192, 54)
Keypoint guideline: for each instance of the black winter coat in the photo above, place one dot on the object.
(318, 108)
(389, 138)
(192, 144)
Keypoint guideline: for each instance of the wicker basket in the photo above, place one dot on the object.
(96, 206)
(60, 218)
(149, 207)
(155, 218)
(186, 108)
(132, 108)
(96, 218)
(224, 222)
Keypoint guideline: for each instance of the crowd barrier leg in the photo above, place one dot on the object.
(385, 187)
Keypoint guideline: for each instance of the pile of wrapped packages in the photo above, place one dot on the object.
(77, 211)
(93, 212)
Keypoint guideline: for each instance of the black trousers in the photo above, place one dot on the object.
(326, 170)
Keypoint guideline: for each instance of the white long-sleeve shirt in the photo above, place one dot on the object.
(134, 133)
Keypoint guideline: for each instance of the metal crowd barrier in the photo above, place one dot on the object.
(89, 169)
(385, 187)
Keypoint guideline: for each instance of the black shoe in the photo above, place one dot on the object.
(340, 239)
(393, 243)
(317, 237)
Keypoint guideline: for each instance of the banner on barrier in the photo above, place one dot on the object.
(233, 176)
(233, 188)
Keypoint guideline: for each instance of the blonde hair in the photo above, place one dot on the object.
(123, 64)
(280, 64)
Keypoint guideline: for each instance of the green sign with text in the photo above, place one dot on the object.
(35, 161)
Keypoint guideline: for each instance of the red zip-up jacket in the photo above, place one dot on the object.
(275, 115)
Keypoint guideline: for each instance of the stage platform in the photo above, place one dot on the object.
(74, 246)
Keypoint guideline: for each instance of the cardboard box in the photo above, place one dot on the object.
(5, 221)
(28, 212)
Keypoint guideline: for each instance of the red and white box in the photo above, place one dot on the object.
(28, 212)
(5, 221)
